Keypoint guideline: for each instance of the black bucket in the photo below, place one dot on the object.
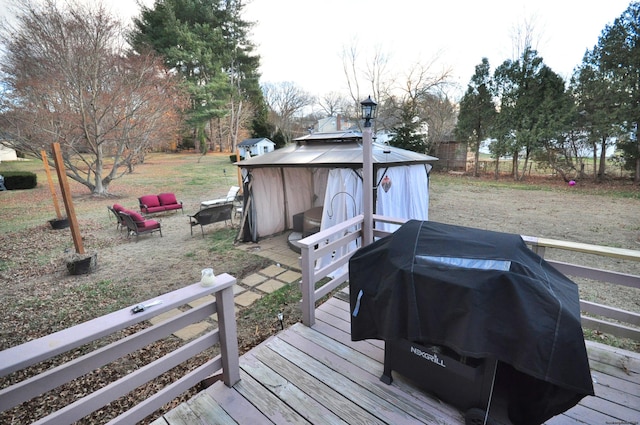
(59, 223)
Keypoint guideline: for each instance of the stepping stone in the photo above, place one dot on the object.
(164, 316)
(200, 301)
(272, 271)
(192, 331)
(247, 298)
(289, 276)
(253, 280)
(270, 286)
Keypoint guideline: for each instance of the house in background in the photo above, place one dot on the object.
(7, 153)
(255, 147)
(331, 124)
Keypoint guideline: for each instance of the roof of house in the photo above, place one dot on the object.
(252, 142)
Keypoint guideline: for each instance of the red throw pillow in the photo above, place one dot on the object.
(150, 201)
(167, 199)
(118, 207)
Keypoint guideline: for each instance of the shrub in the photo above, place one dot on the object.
(17, 180)
(233, 158)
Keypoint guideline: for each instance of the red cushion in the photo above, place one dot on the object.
(148, 224)
(150, 201)
(172, 207)
(136, 217)
(118, 207)
(154, 209)
(167, 199)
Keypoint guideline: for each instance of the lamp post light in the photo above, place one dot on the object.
(368, 114)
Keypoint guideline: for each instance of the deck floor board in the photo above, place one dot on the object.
(319, 376)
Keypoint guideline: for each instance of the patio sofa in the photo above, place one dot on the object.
(150, 204)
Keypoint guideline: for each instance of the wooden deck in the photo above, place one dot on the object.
(318, 375)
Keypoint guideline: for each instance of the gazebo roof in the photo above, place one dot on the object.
(334, 150)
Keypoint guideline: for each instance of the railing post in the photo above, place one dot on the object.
(228, 336)
(307, 286)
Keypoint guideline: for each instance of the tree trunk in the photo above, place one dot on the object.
(595, 161)
(636, 178)
(477, 158)
(99, 187)
(603, 160)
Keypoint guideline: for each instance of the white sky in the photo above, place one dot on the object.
(302, 40)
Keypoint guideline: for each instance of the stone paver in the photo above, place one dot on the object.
(272, 271)
(270, 286)
(192, 331)
(237, 289)
(203, 300)
(247, 298)
(289, 276)
(253, 279)
(164, 316)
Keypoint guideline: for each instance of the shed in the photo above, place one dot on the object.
(325, 170)
(255, 147)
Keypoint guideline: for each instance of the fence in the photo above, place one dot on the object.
(33, 352)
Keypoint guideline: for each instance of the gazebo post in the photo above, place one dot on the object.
(368, 113)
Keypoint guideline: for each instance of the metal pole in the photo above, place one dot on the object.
(367, 184)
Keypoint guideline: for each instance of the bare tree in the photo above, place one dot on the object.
(70, 81)
(524, 36)
(370, 79)
(285, 101)
(334, 103)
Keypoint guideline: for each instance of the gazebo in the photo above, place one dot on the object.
(325, 170)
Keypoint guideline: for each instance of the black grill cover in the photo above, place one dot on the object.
(482, 294)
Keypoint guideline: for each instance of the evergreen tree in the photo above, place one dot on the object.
(477, 111)
(206, 42)
(619, 45)
(407, 134)
(531, 95)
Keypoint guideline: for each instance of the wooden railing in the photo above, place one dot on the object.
(591, 309)
(31, 353)
(315, 247)
(607, 318)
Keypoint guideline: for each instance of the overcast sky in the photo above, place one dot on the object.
(302, 40)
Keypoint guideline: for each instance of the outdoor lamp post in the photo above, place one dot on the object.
(368, 114)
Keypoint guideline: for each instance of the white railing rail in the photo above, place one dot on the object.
(315, 247)
(48, 347)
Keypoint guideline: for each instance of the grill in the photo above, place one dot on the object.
(474, 317)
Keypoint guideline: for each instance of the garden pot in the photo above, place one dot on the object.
(82, 264)
(59, 223)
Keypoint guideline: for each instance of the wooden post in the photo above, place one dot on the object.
(50, 180)
(239, 171)
(66, 197)
(228, 336)
(308, 303)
